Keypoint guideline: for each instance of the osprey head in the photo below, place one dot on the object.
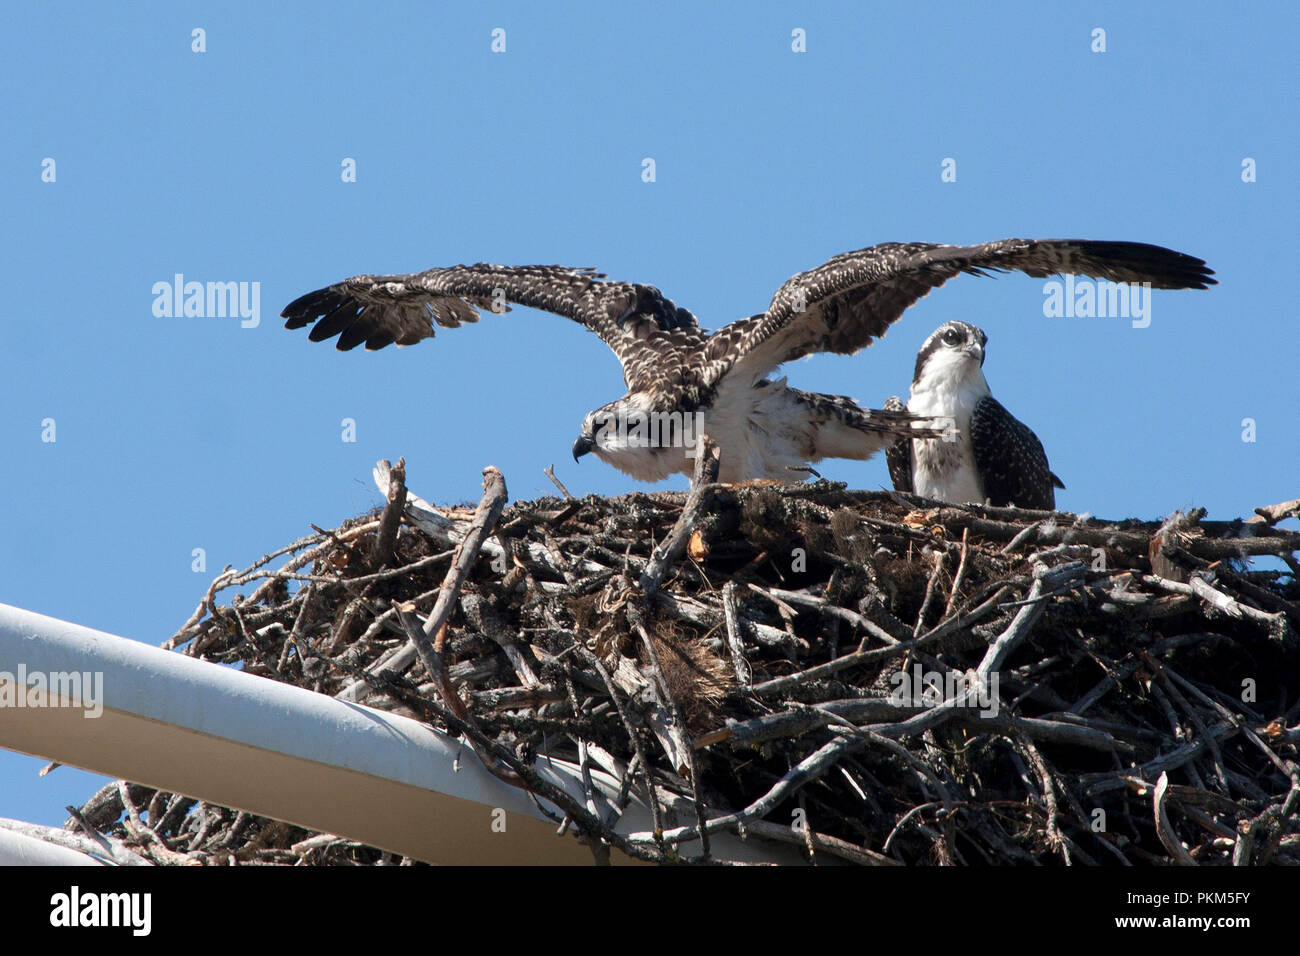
(635, 438)
(955, 350)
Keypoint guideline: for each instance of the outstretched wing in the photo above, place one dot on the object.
(1010, 459)
(843, 305)
(898, 456)
(650, 335)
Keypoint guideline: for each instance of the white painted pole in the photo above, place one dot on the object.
(19, 849)
(188, 726)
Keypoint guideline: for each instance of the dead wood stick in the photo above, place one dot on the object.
(510, 698)
(898, 827)
(353, 583)
(321, 841)
(314, 543)
(939, 557)
(1243, 850)
(1261, 595)
(431, 656)
(341, 539)
(391, 520)
(702, 489)
(1208, 823)
(485, 620)
(1278, 818)
(735, 643)
(445, 532)
(549, 472)
(807, 770)
(778, 684)
(208, 605)
(961, 573)
(1098, 783)
(1113, 679)
(1029, 531)
(295, 636)
(1275, 541)
(434, 634)
(1202, 589)
(827, 607)
(627, 677)
(1164, 827)
(1046, 581)
(1176, 696)
(348, 625)
(689, 609)
(802, 719)
(558, 557)
(396, 659)
(1272, 514)
(153, 844)
(93, 844)
(957, 622)
(1048, 785)
(1234, 717)
(652, 799)
(822, 842)
(677, 728)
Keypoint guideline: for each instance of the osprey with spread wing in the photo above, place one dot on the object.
(674, 369)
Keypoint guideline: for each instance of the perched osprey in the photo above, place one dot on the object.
(678, 373)
(989, 455)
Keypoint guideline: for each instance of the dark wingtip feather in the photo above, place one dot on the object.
(351, 337)
(380, 339)
(339, 319)
(320, 333)
(306, 308)
(1168, 268)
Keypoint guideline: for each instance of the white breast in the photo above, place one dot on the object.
(761, 431)
(946, 469)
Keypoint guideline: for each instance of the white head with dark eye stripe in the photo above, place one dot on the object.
(954, 352)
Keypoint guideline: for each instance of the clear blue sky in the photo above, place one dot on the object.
(182, 433)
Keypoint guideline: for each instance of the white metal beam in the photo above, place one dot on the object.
(19, 849)
(275, 750)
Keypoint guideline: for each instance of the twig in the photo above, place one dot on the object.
(430, 646)
(960, 575)
(391, 519)
(735, 643)
(549, 472)
(678, 730)
(702, 488)
(1164, 829)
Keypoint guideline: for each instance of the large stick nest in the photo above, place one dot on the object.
(1147, 675)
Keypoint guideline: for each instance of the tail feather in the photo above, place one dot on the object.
(844, 429)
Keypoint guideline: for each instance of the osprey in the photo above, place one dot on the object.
(680, 376)
(988, 455)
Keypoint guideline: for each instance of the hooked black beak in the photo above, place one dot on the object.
(584, 444)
